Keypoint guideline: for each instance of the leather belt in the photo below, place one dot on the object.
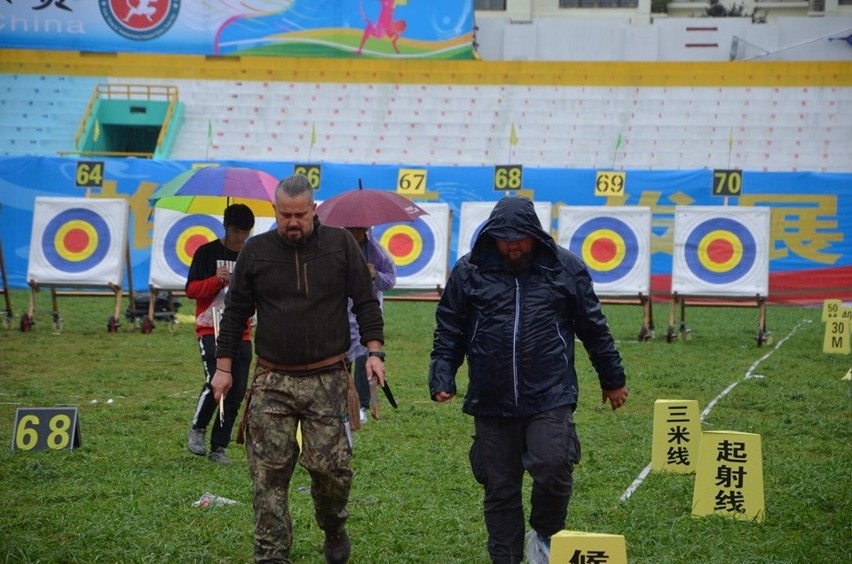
(324, 363)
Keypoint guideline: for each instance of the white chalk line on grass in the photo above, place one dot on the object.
(749, 374)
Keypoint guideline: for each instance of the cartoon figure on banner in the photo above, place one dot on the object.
(720, 251)
(184, 238)
(608, 247)
(76, 240)
(384, 26)
(411, 245)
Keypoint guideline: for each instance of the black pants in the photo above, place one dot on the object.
(546, 446)
(206, 406)
(362, 386)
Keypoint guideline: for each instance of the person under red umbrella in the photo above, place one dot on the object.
(383, 271)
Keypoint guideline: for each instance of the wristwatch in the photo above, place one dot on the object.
(379, 354)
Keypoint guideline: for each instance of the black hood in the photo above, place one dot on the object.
(512, 218)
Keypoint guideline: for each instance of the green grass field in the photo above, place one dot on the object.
(127, 495)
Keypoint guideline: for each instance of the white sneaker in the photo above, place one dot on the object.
(362, 413)
(538, 549)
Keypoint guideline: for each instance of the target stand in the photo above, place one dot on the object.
(683, 332)
(720, 259)
(78, 247)
(647, 330)
(8, 315)
(84, 290)
(614, 243)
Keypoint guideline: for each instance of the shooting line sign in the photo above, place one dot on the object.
(46, 428)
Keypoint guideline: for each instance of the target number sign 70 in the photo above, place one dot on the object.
(46, 428)
(727, 182)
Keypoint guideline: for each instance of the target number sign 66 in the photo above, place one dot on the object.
(312, 171)
(46, 428)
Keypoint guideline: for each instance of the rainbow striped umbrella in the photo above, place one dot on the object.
(209, 190)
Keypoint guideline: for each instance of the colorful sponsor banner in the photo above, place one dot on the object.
(176, 238)
(615, 244)
(420, 249)
(810, 242)
(438, 29)
(78, 242)
(721, 251)
(474, 214)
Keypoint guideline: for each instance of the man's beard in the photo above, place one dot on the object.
(519, 264)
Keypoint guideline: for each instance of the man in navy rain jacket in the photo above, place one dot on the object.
(514, 306)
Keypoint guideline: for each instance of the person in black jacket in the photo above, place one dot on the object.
(514, 306)
(299, 279)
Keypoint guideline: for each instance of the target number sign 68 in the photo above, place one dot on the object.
(45, 428)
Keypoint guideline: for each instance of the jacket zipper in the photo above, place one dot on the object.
(298, 273)
(515, 337)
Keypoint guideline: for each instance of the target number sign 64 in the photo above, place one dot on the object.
(46, 428)
(508, 177)
(312, 171)
(411, 181)
(610, 183)
(727, 182)
(89, 173)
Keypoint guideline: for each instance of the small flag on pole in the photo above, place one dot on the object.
(209, 132)
(731, 139)
(97, 134)
(618, 142)
(313, 134)
(513, 136)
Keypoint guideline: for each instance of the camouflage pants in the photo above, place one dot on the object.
(278, 402)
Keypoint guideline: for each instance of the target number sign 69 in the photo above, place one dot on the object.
(727, 182)
(610, 183)
(45, 428)
(312, 171)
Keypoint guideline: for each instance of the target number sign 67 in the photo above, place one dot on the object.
(411, 181)
(46, 428)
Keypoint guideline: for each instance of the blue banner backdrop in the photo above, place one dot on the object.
(810, 247)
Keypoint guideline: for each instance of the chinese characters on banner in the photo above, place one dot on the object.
(729, 479)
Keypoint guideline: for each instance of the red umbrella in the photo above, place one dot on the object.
(366, 208)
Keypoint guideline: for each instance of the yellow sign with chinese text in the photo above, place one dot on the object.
(729, 478)
(676, 436)
(580, 546)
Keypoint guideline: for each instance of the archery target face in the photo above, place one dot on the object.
(475, 214)
(78, 241)
(613, 242)
(721, 251)
(176, 238)
(418, 248)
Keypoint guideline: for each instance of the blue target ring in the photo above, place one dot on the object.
(738, 230)
(172, 243)
(426, 247)
(54, 255)
(630, 250)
